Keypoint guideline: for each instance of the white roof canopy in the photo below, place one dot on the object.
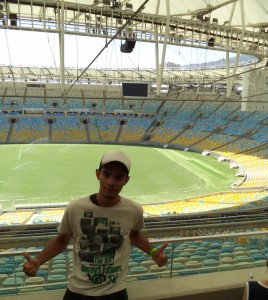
(239, 26)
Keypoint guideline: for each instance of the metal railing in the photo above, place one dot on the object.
(170, 271)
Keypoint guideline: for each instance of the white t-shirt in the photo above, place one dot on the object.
(101, 246)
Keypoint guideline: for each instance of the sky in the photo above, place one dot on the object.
(41, 49)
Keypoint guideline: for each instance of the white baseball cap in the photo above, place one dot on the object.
(116, 156)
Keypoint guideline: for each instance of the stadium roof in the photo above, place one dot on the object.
(254, 12)
(239, 26)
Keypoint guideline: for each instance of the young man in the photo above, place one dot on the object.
(102, 226)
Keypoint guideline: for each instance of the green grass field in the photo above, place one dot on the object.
(36, 173)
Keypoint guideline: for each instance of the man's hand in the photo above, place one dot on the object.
(31, 267)
(159, 256)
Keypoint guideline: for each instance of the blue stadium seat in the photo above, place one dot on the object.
(57, 281)
(7, 271)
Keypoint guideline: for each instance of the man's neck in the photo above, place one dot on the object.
(103, 201)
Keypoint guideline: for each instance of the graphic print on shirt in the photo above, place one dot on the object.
(101, 238)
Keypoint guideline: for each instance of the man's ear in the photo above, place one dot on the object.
(127, 179)
(98, 174)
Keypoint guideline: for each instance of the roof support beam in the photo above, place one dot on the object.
(156, 46)
(61, 42)
(159, 71)
(230, 81)
(228, 47)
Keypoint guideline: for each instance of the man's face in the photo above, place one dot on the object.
(112, 178)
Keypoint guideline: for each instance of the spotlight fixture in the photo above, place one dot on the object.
(128, 46)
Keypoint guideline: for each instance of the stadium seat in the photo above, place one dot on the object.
(199, 258)
(185, 254)
(265, 241)
(18, 269)
(193, 264)
(212, 256)
(58, 266)
(61, 256)
(255, 241)
(60, 271)
(226, 250)
(132, 264)
(140, 258)
(34, 280)
(42, 273)
(147, 263)
(180, 260)
(226, 254)
(2, 278)
(258, 256)
(200, 252)
(44, 267)
(134, 254)
(243, 258)
(253, 247)
(190, 249)
(214, 251)
(210, 262)
(265, 250)
(10, 265)
(240, 253)
(57, 282)
(240, 248)
(215, 246)
(227, 260)
(18, 259)
(176, 266)
(6, 271)
(20, 274)
(12, 282)
(138, 270)
(155, 269)
(255, 251)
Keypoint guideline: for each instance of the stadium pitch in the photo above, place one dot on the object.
(45, 173)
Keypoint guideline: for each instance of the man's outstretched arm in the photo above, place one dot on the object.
(53, 248)
(138, 239)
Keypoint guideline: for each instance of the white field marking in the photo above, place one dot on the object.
(20, 152)
(24, 165)
(41, 140)
(174, 155)
(64, 148)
